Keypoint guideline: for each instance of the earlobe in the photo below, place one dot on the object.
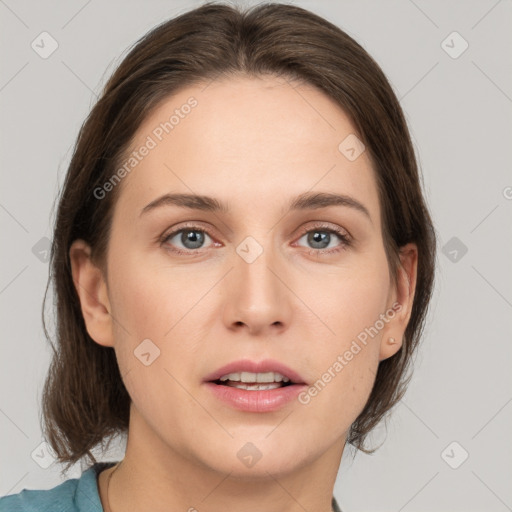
(405, 289)
(389, 346)
(92, 292)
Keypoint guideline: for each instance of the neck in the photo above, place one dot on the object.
(154, 476)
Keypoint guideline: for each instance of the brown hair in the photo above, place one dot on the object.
(84, 398)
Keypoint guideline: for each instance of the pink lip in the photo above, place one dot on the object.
(246, 365)
(256, 401)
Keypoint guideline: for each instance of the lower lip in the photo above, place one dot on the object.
(267, 400)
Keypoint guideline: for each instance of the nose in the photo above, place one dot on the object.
(258, 298)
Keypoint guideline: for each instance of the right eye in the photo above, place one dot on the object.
(191, 238)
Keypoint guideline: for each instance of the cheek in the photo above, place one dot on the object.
(345, 373)
(347, 299)
(150, 299)
(346, 357)
(157, 311)
(150, 314)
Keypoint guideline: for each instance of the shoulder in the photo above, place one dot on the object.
(73, 495)
(58, 499)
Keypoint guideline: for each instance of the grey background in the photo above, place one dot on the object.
(459, 113)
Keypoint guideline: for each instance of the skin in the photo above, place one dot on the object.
(254, 143)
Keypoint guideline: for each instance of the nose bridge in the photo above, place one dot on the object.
(255, 259)
(258, 295)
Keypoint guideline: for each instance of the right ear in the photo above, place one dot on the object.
(92, 291)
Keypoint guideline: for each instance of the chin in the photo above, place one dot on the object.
(255, 457)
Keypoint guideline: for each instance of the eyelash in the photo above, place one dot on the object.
(344, 238)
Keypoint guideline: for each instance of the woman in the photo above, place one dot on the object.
(242, 261)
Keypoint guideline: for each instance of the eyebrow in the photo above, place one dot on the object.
(305, 201)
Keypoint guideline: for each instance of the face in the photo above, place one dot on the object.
(192, 289)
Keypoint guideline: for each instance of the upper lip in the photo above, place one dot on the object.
(246, 365)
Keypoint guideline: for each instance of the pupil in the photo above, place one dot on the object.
(195, 237)
(319, 237)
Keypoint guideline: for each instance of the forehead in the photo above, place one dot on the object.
(247, 141)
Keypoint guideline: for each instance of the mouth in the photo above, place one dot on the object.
(254, 381)
(255, 376)
(255, 387)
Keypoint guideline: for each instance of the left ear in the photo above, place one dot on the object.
(402, 298)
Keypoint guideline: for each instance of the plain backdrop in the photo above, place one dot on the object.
(447, 445)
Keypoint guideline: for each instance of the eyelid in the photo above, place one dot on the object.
(327, 226)
(197, 225)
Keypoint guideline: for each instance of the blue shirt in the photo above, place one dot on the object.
(73, 495)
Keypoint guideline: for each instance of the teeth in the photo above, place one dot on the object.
(255, 387)
(255, 377)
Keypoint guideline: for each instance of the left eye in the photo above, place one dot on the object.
(321, 238)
